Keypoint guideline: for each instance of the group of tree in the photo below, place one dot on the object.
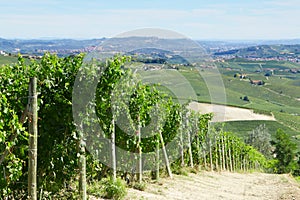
(62, 142)
(281, 150)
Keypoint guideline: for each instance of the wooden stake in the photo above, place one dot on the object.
(190, 142)
(140, 166)
(33, 133)
(165, 155)
(157, 160)
(82, 168)
(113, 150)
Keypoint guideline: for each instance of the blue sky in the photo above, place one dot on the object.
(197, 19)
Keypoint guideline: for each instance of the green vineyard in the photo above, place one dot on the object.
(69, 141)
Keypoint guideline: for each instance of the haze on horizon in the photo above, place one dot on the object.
(197, 19)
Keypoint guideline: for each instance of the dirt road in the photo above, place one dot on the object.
(225, 185)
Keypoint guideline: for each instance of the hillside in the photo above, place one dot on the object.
(264, 51)
(7, 60)
(278, 96)
(255, 48)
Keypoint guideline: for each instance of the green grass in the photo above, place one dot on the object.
(7, 60)
(291, 121)
(4, 60)
(242, 128)
(278, 96)
(265, 98)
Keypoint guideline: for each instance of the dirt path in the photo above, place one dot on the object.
(225, 185)
(228, 113)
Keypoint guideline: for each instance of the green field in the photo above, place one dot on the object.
(7, 60)
(279, 96)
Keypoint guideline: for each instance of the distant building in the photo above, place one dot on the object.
(241, 76)
(3, 53)
(257, 82)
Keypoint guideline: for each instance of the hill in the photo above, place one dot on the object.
(278, 96)
(264, 51)
(217, 48)
(39, 47)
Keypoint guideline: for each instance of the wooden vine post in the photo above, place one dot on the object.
(33, 133)
(165, 155)
(140, 163)
(210, 148)
(189, 140)
(181, 141)
(82, 166)
(113, 150)
(157, 159)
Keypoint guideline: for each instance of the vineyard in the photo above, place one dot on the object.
(126, 132)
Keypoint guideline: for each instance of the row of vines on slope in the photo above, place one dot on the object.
(59, 142)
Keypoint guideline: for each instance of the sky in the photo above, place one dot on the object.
(196, 19)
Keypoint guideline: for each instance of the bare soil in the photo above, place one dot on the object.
(228, 113)
(223, 185)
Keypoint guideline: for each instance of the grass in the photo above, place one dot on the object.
(261, 97)
(279, 96)
(140, 186)
(108, 188)
(4, 60)
(243, 127)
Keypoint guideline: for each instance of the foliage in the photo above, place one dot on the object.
(57, 162)
(177, 169)
(285, 152)
(140, 186)
(118, 95)
(113, 189)
(246, 98)
(260, 139)
(13, 98)
(107, 188)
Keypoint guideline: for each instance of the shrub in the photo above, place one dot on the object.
(246, 98)
(95, 189)
(140, 186)
(180, 170)
(113, 189)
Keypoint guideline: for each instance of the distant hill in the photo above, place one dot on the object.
(217, 48)
(38, 46)
(264, 51)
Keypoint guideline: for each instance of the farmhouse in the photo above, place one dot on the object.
(257, 82)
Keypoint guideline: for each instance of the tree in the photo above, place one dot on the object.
(260, 139)
(246, 98)
(285, 152)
